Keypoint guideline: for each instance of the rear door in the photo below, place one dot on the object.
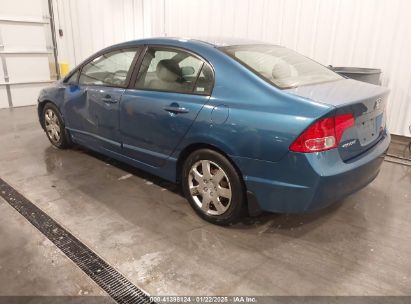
(171, 87)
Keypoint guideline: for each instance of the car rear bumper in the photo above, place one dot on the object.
(302, 182)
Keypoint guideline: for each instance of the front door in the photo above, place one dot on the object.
(95, 108)
(171, 88)
(102, 112)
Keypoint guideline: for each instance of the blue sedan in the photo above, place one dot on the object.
(244, 126)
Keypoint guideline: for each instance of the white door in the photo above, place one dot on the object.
(26, 51)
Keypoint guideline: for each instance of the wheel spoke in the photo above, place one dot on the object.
(47, 116)
(197, 176)
(217, 177)
(224, 192)
(205, 166)
(205, 204)
(218, 205)
(48, 127)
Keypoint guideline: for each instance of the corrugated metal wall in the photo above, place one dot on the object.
(363, 33)
(90, 25)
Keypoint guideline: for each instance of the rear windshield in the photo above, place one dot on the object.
(281, 66)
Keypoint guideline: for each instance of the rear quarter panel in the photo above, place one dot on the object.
(254, 119)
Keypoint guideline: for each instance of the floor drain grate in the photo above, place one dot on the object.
(109, 279)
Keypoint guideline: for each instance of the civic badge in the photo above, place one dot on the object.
(349, 144)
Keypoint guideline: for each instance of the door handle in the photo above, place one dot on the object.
(108, 99)
(176, 109)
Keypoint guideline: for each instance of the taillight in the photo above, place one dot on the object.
(322, 135)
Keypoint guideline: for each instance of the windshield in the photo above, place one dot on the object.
(281, 66)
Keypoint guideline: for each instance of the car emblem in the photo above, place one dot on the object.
(349, 144)
(377, 103)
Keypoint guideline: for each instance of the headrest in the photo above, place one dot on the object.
(168, 70)
(281, 71)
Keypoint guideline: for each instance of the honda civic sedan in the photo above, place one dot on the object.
(244, 126)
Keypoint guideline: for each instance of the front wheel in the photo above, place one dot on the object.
(213, 187)
(54, 127)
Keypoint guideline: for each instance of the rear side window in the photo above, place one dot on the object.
(174, 71)
(281, 66)
(205, 81)
(110, 69)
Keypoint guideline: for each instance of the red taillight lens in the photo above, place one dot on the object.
(323, 135)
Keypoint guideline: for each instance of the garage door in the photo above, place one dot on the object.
(26, 50)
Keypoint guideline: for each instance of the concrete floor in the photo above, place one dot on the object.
(30, 264)
(146, 230)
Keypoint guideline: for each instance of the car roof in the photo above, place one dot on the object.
(214, 42)
(226, 41)
(184, 42)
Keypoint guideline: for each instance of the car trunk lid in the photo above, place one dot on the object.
(365, 101)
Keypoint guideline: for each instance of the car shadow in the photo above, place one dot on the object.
(175, 188)
(272, 221)
(289, 221)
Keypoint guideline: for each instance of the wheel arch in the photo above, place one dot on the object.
(40, 109)
(252, 205)
(197, 146)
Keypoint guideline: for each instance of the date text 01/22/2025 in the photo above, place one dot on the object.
(202, 299)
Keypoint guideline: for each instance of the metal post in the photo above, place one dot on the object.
(5, 72)
(53, 37)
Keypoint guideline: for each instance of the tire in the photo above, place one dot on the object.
(54, 127)
(213, 187)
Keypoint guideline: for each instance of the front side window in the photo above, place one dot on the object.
(110, 69)
(173, 71)
(281, 66)
(73, 78)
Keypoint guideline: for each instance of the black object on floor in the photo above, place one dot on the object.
(109, 279)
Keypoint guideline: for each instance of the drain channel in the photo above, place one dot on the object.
(109, 279)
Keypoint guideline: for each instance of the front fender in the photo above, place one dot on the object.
(53, 93)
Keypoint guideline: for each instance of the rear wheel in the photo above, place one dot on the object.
(54, 127)
(213, 187)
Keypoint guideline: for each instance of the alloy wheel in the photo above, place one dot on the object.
(209, 187)
(52, 124)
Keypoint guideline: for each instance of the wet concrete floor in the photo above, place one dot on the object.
(143, 227)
